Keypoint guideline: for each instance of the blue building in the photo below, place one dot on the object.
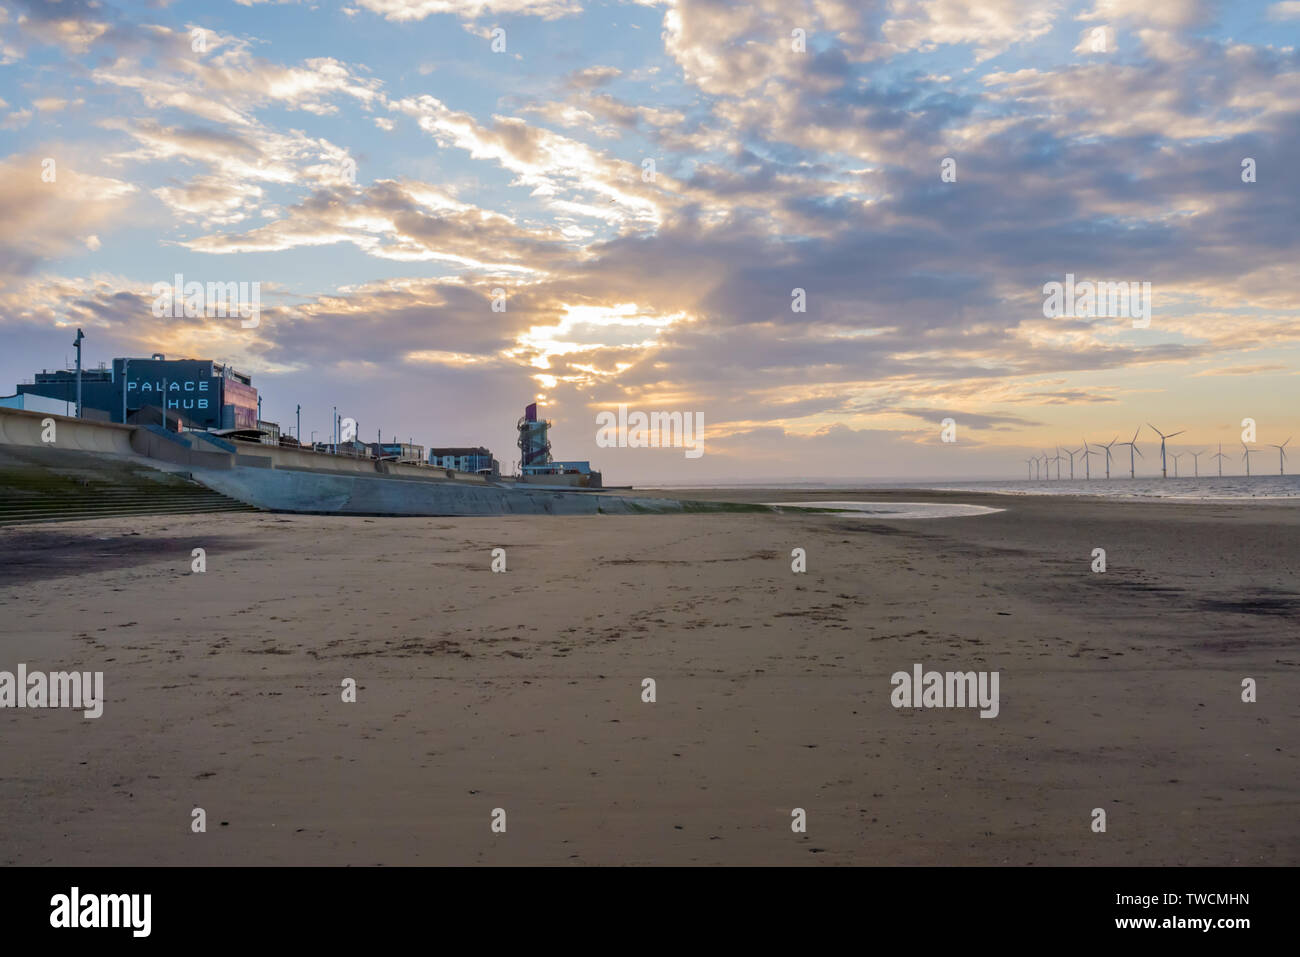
(477, 460)
(397, 451)
(200, 392)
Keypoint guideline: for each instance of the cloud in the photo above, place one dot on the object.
(1261, 369)
(44, 219)
(240, 166)
(226, 83)
(564, 172)
(1169, 14)
(403, 11)
(990, 27)
(16, 120)
(74, 25)
(591, 77)
(403, 221)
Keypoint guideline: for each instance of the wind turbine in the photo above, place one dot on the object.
(1220, 456)
(1163, 470)
(1107, 448)
(1177, 456)
(1087, 467)
(1246, 456)
(1031, 463)
(1072, 453)
(1132, 447)
(1281, 456)
(1196, 460)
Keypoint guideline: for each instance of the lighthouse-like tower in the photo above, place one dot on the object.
(534, 446)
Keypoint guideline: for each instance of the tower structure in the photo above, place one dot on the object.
(534, 445)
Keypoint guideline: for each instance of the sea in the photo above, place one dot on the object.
(1234, 488)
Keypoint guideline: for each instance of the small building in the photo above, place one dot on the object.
(353, 448)
(270, 432)
(559, 468)
(570, 474)
(398, 452)
(477, 460)
(31, 402)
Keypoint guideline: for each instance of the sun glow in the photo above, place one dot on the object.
(591, 328)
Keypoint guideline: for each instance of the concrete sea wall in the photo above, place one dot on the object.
(23, 428)
(285, 490)
(293, 480)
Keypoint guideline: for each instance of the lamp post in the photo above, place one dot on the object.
(297, 432)
(76, 343)
(126, 363)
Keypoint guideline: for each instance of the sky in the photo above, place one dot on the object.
(639, 189)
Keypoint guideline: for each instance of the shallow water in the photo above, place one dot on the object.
(896, 509)
(1236, 488)
(1203, 489)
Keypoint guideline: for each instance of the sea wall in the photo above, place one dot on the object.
(285, 490)
(23, 428)
(293, 480)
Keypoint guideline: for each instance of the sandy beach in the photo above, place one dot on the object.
(522, 690)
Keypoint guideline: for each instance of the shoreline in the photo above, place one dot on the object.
(956, 490)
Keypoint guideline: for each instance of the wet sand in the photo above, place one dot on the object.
(523, 690)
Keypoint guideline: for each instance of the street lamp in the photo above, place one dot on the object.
(76, 343)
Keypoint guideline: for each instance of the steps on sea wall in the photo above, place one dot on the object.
(47, 485)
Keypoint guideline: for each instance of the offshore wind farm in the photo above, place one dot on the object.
(1167, 480)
